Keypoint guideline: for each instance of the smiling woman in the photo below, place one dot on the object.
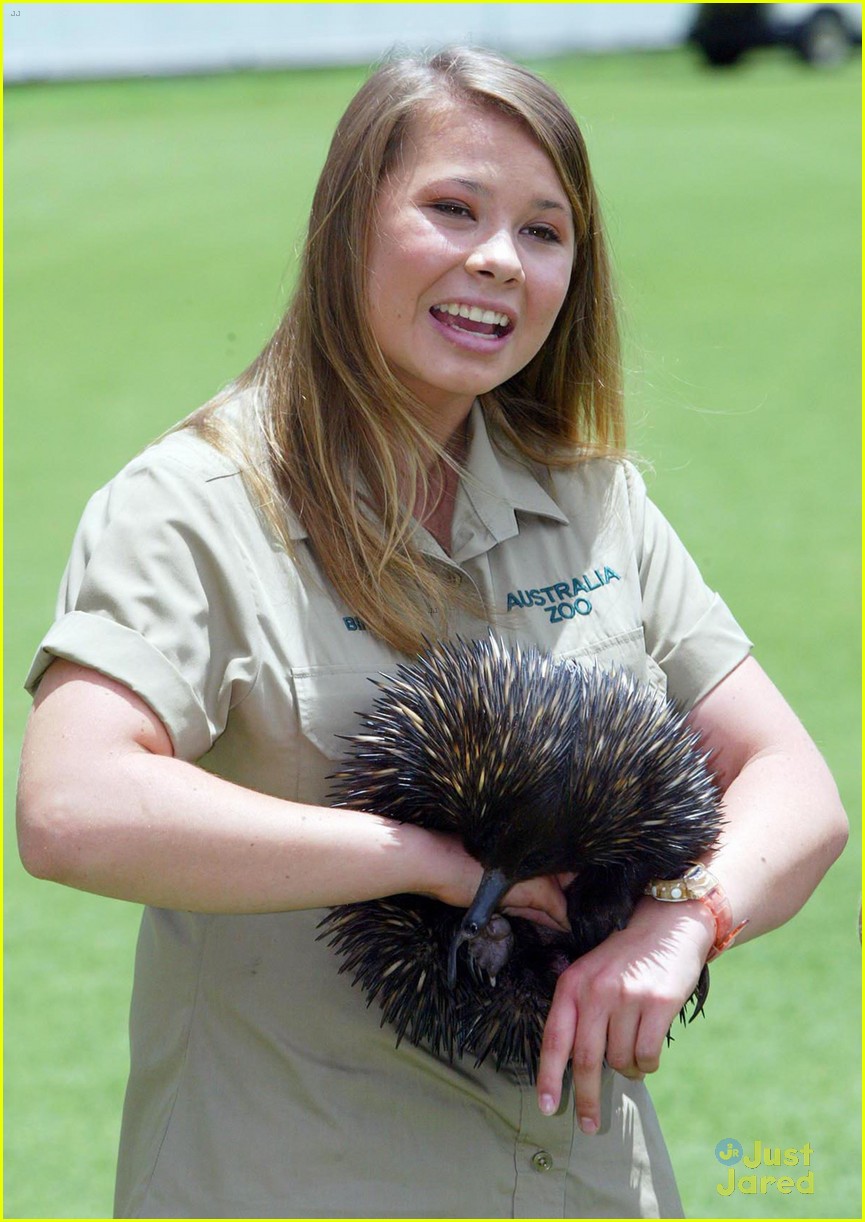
(430, 444)
(413, 146)
(470, 261)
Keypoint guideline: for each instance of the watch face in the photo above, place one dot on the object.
(699, 881)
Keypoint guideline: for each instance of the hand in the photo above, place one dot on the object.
(618, 1002)
(455, 877)
(541, 900)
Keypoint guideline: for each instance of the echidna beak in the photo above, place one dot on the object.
(492, 887)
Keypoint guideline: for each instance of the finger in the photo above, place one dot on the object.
(538, 916)
(540, 900)
(579, 1035)
(622, 1041)
(556, 1047)
(587, 1067)
(650, 1038)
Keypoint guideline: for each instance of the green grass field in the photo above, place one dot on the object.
(150, 236)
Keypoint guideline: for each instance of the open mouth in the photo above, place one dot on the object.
(473, 319)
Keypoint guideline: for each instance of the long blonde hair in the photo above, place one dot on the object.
(343, 438)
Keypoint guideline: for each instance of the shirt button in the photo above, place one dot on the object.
(542, 1161)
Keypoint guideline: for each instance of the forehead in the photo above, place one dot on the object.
(453, 138)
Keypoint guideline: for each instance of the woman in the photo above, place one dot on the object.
(431, 442)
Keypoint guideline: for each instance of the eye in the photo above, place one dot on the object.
(545, 233)
(449, 207)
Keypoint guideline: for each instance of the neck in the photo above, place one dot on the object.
(457, 443)
(435, 511)
(447, 422)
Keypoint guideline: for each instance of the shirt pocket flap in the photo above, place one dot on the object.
(331, 704)
(627, 650)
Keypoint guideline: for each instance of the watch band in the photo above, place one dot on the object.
(698, 884)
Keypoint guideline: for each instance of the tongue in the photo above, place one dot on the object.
(466, 324)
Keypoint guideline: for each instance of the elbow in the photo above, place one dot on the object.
(839, 832)
(46, 836)
(836, 826)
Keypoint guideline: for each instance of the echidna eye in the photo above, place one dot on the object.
(473, 929)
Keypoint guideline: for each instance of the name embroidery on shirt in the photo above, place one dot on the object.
(563, 600)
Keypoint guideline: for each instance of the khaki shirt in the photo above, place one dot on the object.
(261, 1084)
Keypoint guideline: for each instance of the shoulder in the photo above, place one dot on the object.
(215, 442)
(173, 482)
(183, 457)
(187, 472)
(180, 459)
(609, 486)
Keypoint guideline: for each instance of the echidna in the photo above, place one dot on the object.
(542, 766)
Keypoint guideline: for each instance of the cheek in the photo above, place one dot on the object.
(398, 262)
(550, 295)
(560, 280)
(385, 288)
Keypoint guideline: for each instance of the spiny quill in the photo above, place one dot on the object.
(541, 766)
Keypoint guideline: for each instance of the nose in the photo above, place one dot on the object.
(498, 258)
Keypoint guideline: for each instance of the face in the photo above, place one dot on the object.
(470, 258)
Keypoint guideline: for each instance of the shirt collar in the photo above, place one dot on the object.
(495, 487)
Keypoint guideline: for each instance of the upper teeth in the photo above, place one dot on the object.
(475, 313)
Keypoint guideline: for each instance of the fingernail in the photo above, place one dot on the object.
(547, 1104)
(588, 1125)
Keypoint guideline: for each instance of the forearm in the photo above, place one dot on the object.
(103, 805)
(156, 830)
(159, 831)
(784, 828)
(785, 824)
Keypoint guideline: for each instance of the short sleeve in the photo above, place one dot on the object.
(689, 630)
(156, 595)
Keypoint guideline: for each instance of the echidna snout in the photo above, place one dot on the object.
(493, 885)
(490, 951)
(541, 766)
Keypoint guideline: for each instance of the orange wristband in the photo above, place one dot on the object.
(698, 884)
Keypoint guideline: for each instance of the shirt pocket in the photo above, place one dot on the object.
(625, 649)
(331, 702)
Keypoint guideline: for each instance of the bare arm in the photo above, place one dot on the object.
(104, 806)
(786, 824)
(785, 827)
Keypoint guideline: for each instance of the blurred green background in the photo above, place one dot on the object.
(151, 231)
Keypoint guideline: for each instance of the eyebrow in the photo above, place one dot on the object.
(479, 188)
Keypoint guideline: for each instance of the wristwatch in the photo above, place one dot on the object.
(698, 884)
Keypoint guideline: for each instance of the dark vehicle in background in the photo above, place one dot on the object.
(820, 34)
